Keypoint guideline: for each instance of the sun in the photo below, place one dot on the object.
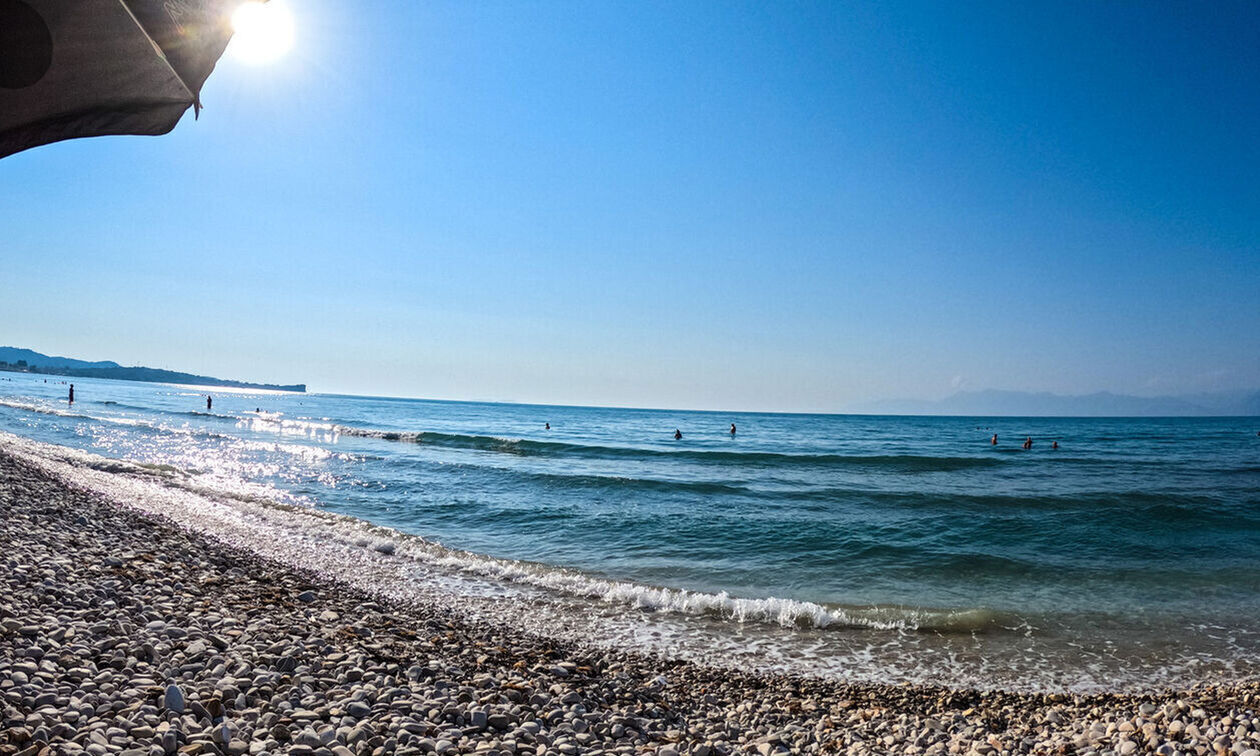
(262, 32)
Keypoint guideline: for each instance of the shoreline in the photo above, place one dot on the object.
(111, 615)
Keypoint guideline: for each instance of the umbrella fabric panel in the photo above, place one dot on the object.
(191, 33)
(77, 68)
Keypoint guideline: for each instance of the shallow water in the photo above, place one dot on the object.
(878, 548)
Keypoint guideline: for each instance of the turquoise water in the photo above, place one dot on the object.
(1133, 548)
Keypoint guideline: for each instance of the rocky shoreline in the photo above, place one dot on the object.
(122, 633)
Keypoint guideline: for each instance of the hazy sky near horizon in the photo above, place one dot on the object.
(739, 205)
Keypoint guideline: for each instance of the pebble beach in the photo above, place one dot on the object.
(121, 632)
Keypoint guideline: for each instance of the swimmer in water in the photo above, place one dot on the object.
(1028, 443)
(1054, 445)
(993, 441)
(546, 426)
(677, 435)
(732, 429)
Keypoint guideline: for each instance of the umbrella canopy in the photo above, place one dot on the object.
(79, 68)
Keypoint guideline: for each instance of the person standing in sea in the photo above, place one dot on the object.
(72, 393)
(209, 401)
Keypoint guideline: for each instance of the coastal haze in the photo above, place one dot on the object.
(1102, 404)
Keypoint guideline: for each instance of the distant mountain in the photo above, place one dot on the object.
(1043, 404)
(13, 356)
(29, 361)
(1238, 403)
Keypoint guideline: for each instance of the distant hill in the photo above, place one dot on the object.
(13, 356)
(1101, 404)
(30, 361)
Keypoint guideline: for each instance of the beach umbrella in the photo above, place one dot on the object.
(80, 68)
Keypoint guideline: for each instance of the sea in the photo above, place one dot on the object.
(863, 548)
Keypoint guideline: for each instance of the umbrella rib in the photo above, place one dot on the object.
(162, 54)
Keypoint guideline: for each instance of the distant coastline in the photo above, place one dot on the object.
(15, 360)
(996, 403)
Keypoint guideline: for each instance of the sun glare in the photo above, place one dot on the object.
(262, 32)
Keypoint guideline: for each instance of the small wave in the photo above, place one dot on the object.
(44, 409)
(605, 482)
(195, 413)
(161, 411)
(296, 450)
(527, 447)
(275, 423)
(138, 468)
(783, 612)
(804, 615)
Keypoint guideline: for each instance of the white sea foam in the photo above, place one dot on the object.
(311, 453)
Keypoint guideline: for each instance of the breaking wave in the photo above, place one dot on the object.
(908, 463)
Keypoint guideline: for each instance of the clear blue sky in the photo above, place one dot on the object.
(709, 204)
